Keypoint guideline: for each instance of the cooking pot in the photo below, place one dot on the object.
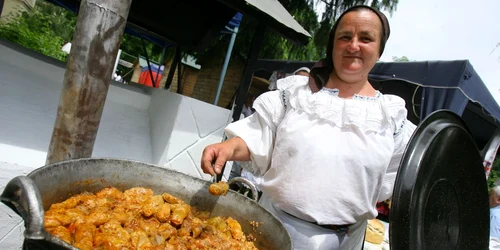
(31, 195)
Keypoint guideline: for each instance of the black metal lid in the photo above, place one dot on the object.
(440, 198)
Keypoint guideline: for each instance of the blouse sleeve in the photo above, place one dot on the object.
(403, 130)
(259, 131)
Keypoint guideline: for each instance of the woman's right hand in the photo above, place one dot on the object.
(215, 156)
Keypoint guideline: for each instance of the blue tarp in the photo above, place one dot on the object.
(445, 85)
(435, 85)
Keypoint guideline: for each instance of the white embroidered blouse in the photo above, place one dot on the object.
(323, 158)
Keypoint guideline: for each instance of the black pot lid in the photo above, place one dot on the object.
(440, 198)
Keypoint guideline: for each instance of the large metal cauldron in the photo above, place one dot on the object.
(30, 196)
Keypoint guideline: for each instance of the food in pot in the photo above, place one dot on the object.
(219, 188)
(139, 219)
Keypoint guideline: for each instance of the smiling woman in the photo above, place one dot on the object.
(356, 43)
(327, 147)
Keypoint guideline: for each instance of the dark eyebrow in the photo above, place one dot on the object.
(345, 32)
(367, 33)
(349, 33)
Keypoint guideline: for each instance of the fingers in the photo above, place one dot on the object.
(207, 159)
(221, 159)
(213, 159)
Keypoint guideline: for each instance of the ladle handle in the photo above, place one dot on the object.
(255, 193)
(23, 197)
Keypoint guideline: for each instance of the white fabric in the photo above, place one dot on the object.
(308, 236)
(251, 177)
(494, 243)
(66, 48)
(323, 158)
(306, 69)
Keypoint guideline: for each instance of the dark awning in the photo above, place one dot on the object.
(195, 23)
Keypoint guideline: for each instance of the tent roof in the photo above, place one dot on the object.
(195, 23)
(434, 85)
(447, 75)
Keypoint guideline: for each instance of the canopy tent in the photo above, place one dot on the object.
(432, 85)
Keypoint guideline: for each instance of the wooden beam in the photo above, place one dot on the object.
(98, 34)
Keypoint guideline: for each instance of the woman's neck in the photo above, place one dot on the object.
(348, 90)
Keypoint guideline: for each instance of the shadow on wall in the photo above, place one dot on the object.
(181, 127)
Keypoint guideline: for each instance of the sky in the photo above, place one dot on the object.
(425, 30)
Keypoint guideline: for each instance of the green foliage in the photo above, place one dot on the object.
(277, 47)
(48, 27)
(44, 30)
(274, 45)
(133, 45)
(400, 59)
(494, 174)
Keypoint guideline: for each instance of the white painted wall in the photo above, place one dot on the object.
(29, 96)
(181, 127)
(153, 125)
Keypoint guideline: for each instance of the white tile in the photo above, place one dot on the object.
(8, 220)
(13, 240)
(184, 164)
(209, 118)
(196, 150)
(184, 134)
(9, 171)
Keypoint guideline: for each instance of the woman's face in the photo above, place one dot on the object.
(356, 45)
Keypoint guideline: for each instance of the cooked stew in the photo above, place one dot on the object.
(219, 188)
(139, 219)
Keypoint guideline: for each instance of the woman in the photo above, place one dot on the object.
(327, 147)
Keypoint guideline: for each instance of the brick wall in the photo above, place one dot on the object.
(166, 71)
(189, 76)
(202, 84)
(208, 80)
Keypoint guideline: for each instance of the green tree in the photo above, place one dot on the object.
(44, 29)
(48, 27)
(274, 46)
(400, 59)
(494, 174)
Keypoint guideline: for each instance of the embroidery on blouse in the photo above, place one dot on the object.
(368, 98)
(400, 129)
(335, 92)
(283, 98)
(331, 91)
(336, 111)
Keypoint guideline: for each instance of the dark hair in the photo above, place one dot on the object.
(250, 96)
(320, 72)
